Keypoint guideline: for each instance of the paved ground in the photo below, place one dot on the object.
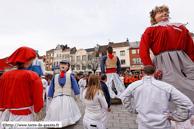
(119, 118)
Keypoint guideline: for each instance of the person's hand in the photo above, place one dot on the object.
(37, 116)
(136, 112)
(170, 118)
(109, 109)
(50, 98)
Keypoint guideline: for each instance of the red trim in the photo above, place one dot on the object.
(111, 70)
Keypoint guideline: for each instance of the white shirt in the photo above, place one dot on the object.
(44, 83)
(94, 107)
(82, 82)
(39, 63)
(152, 103)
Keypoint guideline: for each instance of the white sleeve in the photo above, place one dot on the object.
(42, 66)
(126, 97)
(102, 100)
(84, 83)
(184, 105)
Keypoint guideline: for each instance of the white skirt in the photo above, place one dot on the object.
(64, 109)
(114, 82)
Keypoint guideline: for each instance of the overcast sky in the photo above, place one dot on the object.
(42, 24)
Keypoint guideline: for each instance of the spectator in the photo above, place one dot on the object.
(152, 102)
(108, 100)
(82, 85)
(126, 80)
(45, 84)
(94, 100)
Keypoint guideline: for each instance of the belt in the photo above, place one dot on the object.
(113, 70)
(5, 114)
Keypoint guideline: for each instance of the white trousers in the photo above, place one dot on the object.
(44, 92)
(92, 124)
(48, 101)
(8, 116)
(81, 93)
(105, 117)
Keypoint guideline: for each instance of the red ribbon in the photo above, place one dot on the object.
(62, 74)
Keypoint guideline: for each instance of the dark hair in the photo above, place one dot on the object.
(103, 77)
(109, 49)
(149, 70)
(20, 65)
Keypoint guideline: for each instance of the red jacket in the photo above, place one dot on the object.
(160, 39)
(126, 79)
(21, 88)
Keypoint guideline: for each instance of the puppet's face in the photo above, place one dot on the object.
(162, 16)
(64, 67)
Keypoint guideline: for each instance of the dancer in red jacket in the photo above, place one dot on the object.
(21, 89)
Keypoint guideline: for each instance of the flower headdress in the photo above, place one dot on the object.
(152, 12)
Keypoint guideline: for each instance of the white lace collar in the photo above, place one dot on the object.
(165, 23)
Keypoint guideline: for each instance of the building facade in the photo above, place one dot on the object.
(49, 62)
(81, 60)
(135, 61)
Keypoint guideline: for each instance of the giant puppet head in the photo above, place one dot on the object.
(64, 65)
(159, 14)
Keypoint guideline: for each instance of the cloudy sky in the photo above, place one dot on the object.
(42, 24)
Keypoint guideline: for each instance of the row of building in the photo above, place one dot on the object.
(88, 60)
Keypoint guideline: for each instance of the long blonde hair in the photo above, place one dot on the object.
(93, 87)
(154, 11)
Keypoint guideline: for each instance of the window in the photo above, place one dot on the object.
(138, 51)
(78, 58)
(122, 62)
(114, 53)
(133, 51)
(73, 59)
(60, 55)
(54, 63)
(122, 53)
(73, 67)
(84, 58)
(89, 66)
(137, 61)
(66, 55)
(89, 57)
(83, 67)
(77, 67)
(57, 55)
(63, 56)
